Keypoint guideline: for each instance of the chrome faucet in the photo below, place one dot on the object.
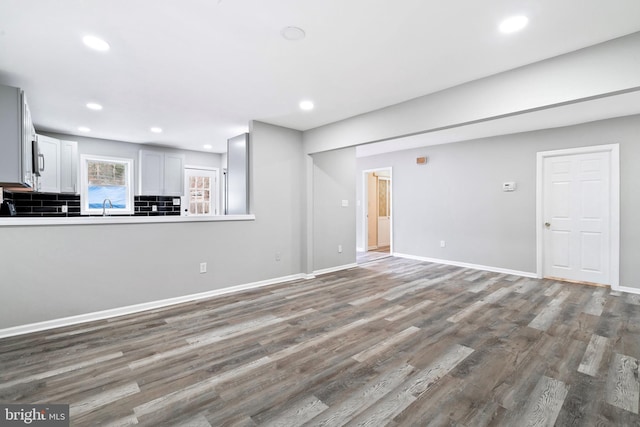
(104, 206)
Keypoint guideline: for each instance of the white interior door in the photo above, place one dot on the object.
(577, 217)
(384, 211)
(201, 192)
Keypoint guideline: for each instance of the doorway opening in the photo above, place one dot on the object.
(377, 215)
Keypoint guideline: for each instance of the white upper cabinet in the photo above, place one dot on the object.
(48, 165)
(16, 137)
(69, 167)
(151, 173)
(57, 164)
(161, 173)
(173, 174)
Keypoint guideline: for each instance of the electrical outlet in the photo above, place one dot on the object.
(154, 208)
(277, 256)
(203, 267)
(339, 249)
(442, 243)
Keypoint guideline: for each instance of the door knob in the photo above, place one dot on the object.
(547, 224)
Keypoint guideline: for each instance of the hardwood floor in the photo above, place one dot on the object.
(393, 342)
(373, 255)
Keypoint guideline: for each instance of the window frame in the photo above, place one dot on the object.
(84, 185)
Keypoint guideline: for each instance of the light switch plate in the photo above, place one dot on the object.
(345, 203)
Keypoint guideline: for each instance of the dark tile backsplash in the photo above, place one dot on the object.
(50, 205)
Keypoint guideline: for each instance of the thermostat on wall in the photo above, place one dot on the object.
(509, 186)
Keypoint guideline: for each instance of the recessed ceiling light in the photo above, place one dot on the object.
(84, 129)
(513, 24)
(293, 33)
(94, 106)
(306, 105)
(156, 130)
(95, 43)
(207, 146)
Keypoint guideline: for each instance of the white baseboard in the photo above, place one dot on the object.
(334, 269)
(359, 249)
(121, 311)
(467, 265)
(627, 290)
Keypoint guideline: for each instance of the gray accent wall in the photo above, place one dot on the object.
(457, 196)
(333, 223)
(50, 272)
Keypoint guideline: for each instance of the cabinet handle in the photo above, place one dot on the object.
(42, 157)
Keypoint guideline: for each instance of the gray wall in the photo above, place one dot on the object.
(333, 224)
(457, 196)
(50, 272)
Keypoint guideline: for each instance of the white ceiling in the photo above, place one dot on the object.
(202, 69)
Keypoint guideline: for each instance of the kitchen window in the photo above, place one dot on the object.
(106, 185)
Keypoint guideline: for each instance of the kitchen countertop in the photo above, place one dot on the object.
(114, 219)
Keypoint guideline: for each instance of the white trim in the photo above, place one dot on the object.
(334, 269)
(365, 208)
(628, 290)
(614, 149)
(358, 249)
(121, 311)
(468, 265)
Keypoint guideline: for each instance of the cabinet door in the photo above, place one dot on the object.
(173, 174)
(28, 136)
(48, 164)
(68, 167)
(151, 174)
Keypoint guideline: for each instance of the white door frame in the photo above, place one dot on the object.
(365, 207)
(614, 249)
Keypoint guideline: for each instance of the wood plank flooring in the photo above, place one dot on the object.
(392, 342)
